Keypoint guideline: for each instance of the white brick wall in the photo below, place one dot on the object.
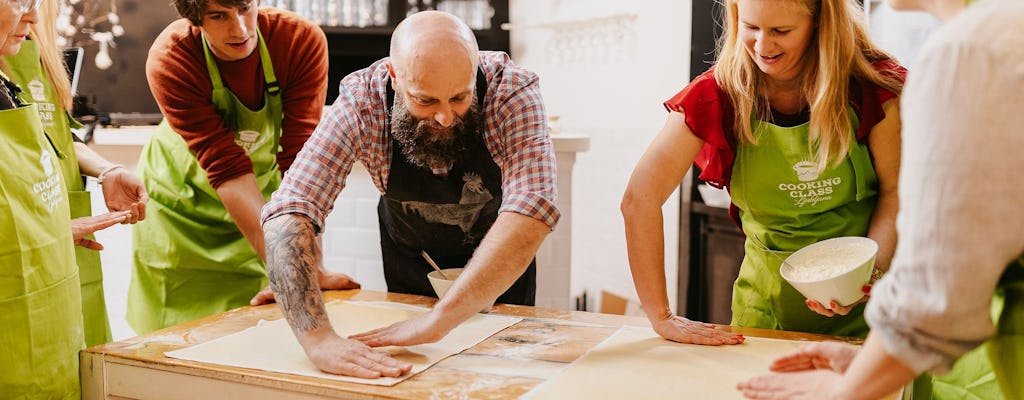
(351, 238)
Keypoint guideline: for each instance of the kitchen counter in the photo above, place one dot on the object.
(121, 145)
(517, 359)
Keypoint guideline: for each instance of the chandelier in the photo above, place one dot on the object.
(82, 23)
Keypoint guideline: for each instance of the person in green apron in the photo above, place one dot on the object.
(808, 146)
(40, 303)
(241, 89)
(953, 300)
(38, 66)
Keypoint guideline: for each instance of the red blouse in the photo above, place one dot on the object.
(709, 115)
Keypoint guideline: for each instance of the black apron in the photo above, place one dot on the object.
(445, 216)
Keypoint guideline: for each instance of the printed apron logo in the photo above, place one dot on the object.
(464, 214)
(49, 188)
(46, 160)
(248, 140)
(810, 190)
(37, 90)
(806, 171)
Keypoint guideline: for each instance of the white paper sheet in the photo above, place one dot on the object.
(271, 346)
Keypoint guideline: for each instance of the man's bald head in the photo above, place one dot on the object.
(433, 64)
(428, 40)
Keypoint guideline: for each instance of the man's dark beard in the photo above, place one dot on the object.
(424, 148)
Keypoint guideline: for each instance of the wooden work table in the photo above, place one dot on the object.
(519, 358)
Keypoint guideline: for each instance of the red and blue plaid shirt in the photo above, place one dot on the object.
(356, 128)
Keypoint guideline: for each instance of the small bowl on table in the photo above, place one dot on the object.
(441, 285)
(832, 270)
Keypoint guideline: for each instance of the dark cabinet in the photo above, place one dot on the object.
(716, 252)
(353, 48)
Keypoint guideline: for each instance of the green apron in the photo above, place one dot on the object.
(785, 204)
(986, 372)
(27, 71)
(972, 378)
(190, 259)
(40, 303)
(1006, 349)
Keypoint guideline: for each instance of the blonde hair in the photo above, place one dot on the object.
(839, 50)
(44, 33)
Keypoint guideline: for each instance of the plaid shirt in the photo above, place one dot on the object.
(356, 128)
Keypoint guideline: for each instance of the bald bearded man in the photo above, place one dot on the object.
(456, 142)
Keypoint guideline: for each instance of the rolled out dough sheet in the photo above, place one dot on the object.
(271, 346)
(636, 363)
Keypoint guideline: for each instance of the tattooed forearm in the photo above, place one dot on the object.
(293, 256)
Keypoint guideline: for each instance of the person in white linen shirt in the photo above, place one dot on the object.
(961, 221)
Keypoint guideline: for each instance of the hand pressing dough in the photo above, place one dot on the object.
(271, 346)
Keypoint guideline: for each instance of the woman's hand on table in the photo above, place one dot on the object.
(805, 385)
(336, 355)
(85, 226)
(835, 356)
(328, 281)
(834, 308)
(682, 330)
(123, 191)
(811, 372)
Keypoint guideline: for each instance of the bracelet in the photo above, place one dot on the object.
(876, 274)
(103, 174)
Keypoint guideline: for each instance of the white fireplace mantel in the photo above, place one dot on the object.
(554, 258)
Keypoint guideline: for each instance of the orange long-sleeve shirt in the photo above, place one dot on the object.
(180, 82)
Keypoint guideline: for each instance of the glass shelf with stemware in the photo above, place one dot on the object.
(379, 16)
(359, 31)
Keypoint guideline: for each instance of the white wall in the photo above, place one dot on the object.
(616, 100)
(901, 32)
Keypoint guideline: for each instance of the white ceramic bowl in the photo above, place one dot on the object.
(442, 285)
(832, 269)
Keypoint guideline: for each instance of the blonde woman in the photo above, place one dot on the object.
(799, 119)
(963, 116)
(38, 68)
(39, 295)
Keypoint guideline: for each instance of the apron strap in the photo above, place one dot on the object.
(211, 65)
(271, 88)
(860, 159)
(269, 78)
